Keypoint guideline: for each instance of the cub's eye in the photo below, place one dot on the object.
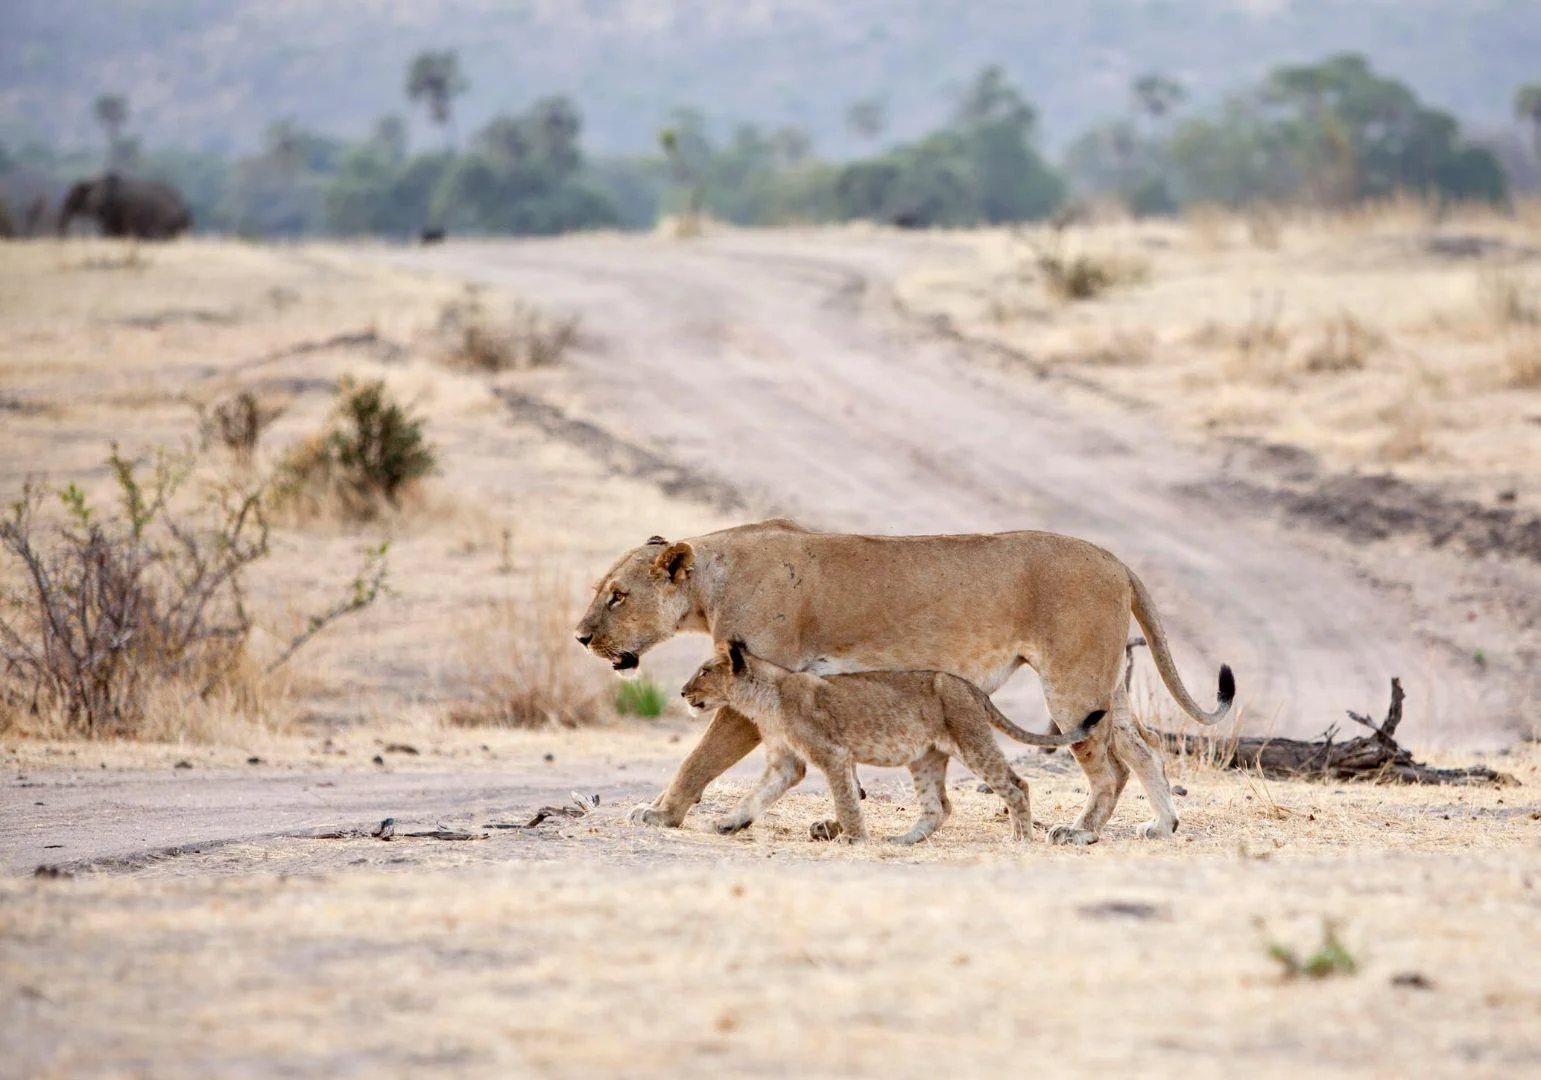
(616, 598)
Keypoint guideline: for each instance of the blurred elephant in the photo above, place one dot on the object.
(146, 209)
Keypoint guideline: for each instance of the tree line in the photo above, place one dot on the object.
(1329, 134)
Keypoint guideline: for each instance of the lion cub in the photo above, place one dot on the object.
(891, 718)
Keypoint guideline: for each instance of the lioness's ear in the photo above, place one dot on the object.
(736, 656)
(651, 540)
(674, 561)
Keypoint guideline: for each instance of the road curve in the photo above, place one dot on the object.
(752, 358)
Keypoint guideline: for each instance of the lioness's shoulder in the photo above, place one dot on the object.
(769, 525)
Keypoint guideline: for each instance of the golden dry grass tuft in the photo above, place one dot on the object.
(524, 669)
(1344, 344)
(523, 338)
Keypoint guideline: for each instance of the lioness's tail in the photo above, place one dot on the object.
(1150, 621)
(999, 722)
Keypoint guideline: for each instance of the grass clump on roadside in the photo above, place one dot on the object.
(526, 338)
(641, 697)
(523, 669)
(368, 459)
(1330, 958)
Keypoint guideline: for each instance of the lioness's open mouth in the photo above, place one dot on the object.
(625, 662)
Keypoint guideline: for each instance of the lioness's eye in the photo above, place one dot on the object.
(616, 597)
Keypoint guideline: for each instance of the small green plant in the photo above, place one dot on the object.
(373, 452)
(1331, 957)
(641, 697)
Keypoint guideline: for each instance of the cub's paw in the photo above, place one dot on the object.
(736, 822)
(1155, 830)
(824, 830)
(648, 815)
(1069, 834)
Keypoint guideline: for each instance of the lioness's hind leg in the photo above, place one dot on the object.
(1148, 764)
(930, 776)
(1106, 774)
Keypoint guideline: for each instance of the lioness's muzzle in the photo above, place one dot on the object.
(625, 662)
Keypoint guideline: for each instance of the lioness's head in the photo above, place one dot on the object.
(712, 683)
(640, 602)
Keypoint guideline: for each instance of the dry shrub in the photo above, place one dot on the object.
(1120, 349)
(116, 608)
(371, 454)
(525, 670)
(1522, 362)
(1260, 346)
(237, 424)
(1085, 276)
(526, 338)
(1345, 344)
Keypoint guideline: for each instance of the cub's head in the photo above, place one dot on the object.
(641, 601)
(710, 686)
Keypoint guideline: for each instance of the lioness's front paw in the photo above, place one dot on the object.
(847, 838)
(736, 822)
(1069, 834)
(649, 815)
(1157, 830)
(824, 830)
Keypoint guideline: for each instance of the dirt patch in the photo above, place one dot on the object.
(621, 457)
(1370, 507)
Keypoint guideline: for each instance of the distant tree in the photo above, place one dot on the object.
(791, 146)
(1527, 110)
(991, 99)
(435, 80)
(1156, 95)
(688, 152)
(283, 145)
(111, 111)
(867, 119)
(390, 135)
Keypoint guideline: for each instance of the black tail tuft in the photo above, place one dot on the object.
(1227, 685)
(1093, 718)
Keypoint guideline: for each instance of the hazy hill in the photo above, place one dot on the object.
(215, 72)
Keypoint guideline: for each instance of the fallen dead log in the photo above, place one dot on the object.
(1376, 757)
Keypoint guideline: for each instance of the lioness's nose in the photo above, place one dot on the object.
(584, 639)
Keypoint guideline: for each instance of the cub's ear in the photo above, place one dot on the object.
(674, 561)
(651, 540)
(736, 656)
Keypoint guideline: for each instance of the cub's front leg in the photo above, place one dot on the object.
(784, 770)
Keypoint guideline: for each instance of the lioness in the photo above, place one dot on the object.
(978, 607)
(912, 718)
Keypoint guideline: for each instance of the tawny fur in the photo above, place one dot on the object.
(977, 607)
(917, 719)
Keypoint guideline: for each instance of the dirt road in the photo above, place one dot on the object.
(772, 362)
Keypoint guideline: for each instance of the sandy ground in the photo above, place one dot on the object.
(200, 927)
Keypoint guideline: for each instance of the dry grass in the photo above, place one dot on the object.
(524, 338)
(1083, 275)
(1522, 361)
(1345, 344)
(524, 669)
(1392, 335)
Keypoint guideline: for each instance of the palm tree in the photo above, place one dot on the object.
(112, 113)
(435, 79)
(1156, 95)
(1527, 109)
